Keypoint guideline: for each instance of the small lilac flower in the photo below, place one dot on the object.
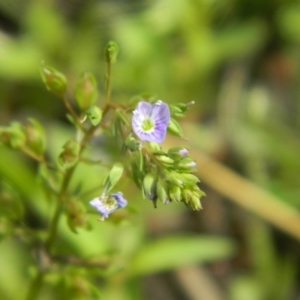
(150, 121)
(108, 204)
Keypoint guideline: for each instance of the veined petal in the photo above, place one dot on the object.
(150, 122)
(144, 109)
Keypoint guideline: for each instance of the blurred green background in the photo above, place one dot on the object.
(239, 61)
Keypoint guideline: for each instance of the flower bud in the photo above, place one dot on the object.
(13, 136)
(175, 178)
(35, 137)
(132, 143)
(162, 192)
(175, 193)
(189, 179)
(186, 165)
(69, 156)
(155, 147)
(177, 153)
(54, 81)
(192, 198)
(149, 184)
(113, 177)
(165, 159)
(111, 52)
(86, 91)
(175, 128)
(94, 114)
(183, 107)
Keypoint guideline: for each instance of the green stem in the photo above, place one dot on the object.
(108, 85)
(35, 286)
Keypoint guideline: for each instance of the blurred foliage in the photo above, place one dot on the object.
(238, 60)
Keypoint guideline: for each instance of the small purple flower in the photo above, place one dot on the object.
(108, 204)
(150, 121)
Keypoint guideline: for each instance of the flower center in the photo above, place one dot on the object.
(147, 125)
(109, 202)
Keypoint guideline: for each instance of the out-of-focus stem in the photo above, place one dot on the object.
(108, 84)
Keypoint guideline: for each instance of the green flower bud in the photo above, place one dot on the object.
(94, 114)
(165, 159)
(69, 156)
(195, 203)
(183, 107)
(149, 184)
(189, 179)
(175, 178)
(13, 136)
(154, 147)
(175, 193)
(174, 109)
(175, 128)
(161, 191)
(132, 143)
(54, 81)
(114, 176)
(35, 137)
(177, 153)
(186, 165)
(111, 52)
(192, 198)
(86, 91)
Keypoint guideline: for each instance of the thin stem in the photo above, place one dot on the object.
(72, 112)
(108, 84)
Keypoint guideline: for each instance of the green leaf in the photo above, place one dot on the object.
(173, 252)
(113, 176)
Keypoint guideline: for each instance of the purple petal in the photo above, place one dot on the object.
(100, 207)
(119, 198)
(144, 109)
(158, 113)
(161, 114)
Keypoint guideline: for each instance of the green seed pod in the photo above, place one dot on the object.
(54, 81)
(35, 137)
(94, 114)
(69, 156)
(86, 91)
(13, 136)
(132, 143)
